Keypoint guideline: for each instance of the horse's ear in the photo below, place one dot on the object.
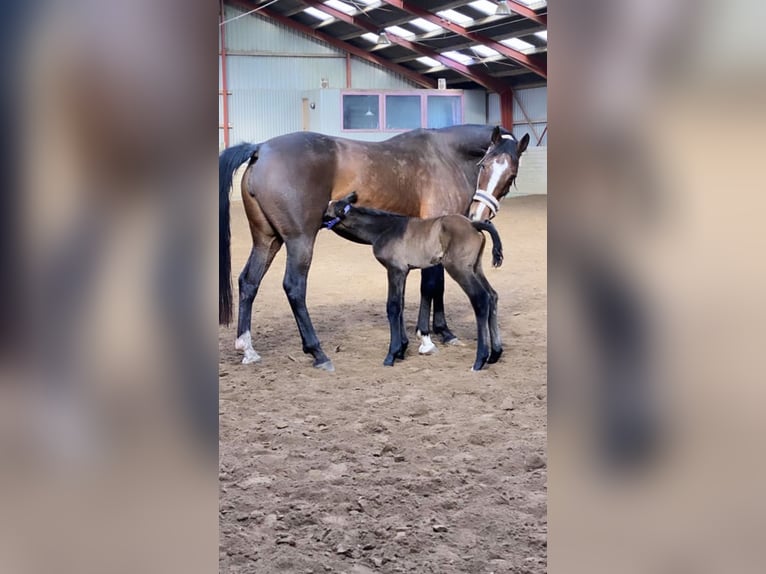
(522, 145)
(495, 135)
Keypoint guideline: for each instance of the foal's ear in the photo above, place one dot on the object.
(522, 145)
(495, 136)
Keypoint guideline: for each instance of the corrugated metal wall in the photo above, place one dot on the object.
(269, 68)
(535, 103)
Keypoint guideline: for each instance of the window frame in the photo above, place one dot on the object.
(423, 94)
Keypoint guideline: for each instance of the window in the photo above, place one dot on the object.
(402, 112)
(361, 112)
(443, 111)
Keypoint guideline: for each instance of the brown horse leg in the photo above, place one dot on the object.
(265, 247)
(434, 278)
(424, 316)
(299, 253)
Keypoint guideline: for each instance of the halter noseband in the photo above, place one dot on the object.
(487, 199)
(335, 220)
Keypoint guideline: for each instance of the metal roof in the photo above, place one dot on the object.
(469, 43)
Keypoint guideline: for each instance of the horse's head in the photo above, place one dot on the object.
(498, 170)
(337, 210)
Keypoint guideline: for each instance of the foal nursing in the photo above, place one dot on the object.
(402, 243)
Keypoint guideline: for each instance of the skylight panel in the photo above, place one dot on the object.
(370, 37)
(455, 16)
(429, 61)
(340, 6)
(517, 44)
(542, 35)
(399, 31)
(484, 51)
(318, 14)
(484, 6)
(458, 57)
(424, 25)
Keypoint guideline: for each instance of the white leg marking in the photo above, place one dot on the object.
(427, 346)
(245, 343)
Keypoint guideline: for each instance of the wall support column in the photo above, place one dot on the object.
(224, 83)
(506, 109)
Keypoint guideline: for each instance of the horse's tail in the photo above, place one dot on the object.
(228, 162)
(497, 245)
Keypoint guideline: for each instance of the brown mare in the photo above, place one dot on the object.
(402, 243)
(291, 178)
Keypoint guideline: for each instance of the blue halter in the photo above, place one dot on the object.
(335, 220)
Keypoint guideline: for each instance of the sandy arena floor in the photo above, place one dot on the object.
(424, 467)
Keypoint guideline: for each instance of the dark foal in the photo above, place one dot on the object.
(402, 243)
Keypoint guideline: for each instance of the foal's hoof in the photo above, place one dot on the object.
(325, 366)
(494, 356)
(479, 364)
(388, 361)
(250, 357)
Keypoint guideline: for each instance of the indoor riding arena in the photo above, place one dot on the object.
(426, 466)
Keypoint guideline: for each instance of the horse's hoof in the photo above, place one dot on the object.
(250, 357)
(494, 356)
(455, 342)
(388, 361)
(325, 366)
(428, 349)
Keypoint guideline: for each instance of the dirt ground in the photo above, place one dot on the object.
(425, 467)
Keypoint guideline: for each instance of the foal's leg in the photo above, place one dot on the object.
(264, 249)
(480, 301)
(395, 312)
(427, 286)
(496, 343)
(299, 253)
(440, 322)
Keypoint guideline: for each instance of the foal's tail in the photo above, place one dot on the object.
(497, 245)
(228, 162)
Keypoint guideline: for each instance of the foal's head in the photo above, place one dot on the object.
(497, 171)
(337, 210)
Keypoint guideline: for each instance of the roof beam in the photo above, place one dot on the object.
(527, 12)
(408, 17)
(490, 83)
(466, 44)
(520, 58)
(408, 73)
